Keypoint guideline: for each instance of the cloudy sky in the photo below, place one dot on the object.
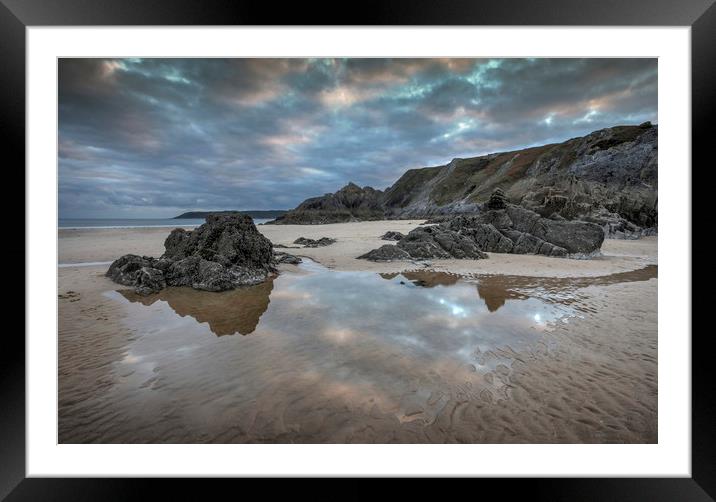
(156, 137)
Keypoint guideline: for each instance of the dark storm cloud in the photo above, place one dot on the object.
(154, 137)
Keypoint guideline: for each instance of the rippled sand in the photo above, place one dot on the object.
(312, 358)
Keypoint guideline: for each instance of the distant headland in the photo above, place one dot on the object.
(272, 213)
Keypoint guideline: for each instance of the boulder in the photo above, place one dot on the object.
(230, 239)
(577, 237)
(287, 258)
(387, 252)
(225, 252)
(392, 236)
(313, 243)
(133, 270)
(497, 199)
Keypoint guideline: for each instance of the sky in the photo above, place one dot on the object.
(151, 138)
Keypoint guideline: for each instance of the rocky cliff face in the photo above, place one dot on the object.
(608, 177)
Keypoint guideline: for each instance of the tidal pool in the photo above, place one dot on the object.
(328, 356)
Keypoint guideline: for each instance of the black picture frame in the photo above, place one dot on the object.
(17, 15)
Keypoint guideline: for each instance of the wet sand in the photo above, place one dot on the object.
(589, 377)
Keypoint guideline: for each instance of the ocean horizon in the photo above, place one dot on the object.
(74, 223)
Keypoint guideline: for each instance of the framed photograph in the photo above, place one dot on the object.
(422, 244)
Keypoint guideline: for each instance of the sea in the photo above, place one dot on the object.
(73, 223)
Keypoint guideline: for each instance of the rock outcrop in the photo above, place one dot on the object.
(392, 236)
(287, 258)
(611, 171)
(497, 200)
(509, 230)
(350, 203)
(439, 242)
(387, 252)
(144, 273)
(225, 252)
(314, 243)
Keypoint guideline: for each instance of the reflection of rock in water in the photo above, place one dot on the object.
(227, 313)
(426, 278)
(496, 289)
(494, 292)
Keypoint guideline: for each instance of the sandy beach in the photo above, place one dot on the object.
(591, 379)
(355, 239)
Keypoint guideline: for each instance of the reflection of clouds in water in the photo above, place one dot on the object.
(339, 335)
(424, 320)
(371, 334)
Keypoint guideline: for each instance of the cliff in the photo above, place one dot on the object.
(608, 177)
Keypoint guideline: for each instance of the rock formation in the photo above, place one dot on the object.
(350, 203)
(392, 236)
(287, 258)
(608, 177)
(314, 243)
(509, 230)
(225, 252)
(387, 252)
(439, 242)
(497, 200)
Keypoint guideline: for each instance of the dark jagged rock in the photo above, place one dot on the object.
(439, 242)
(497, 199)
(225, 252)
(577, 237)
(392, 236)
(350, 203)
(137, 271)
(314, 243)
(287, 258)
(510, 230)
(554, 237)
(386, 252)
(231, 240)
(487, 237)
